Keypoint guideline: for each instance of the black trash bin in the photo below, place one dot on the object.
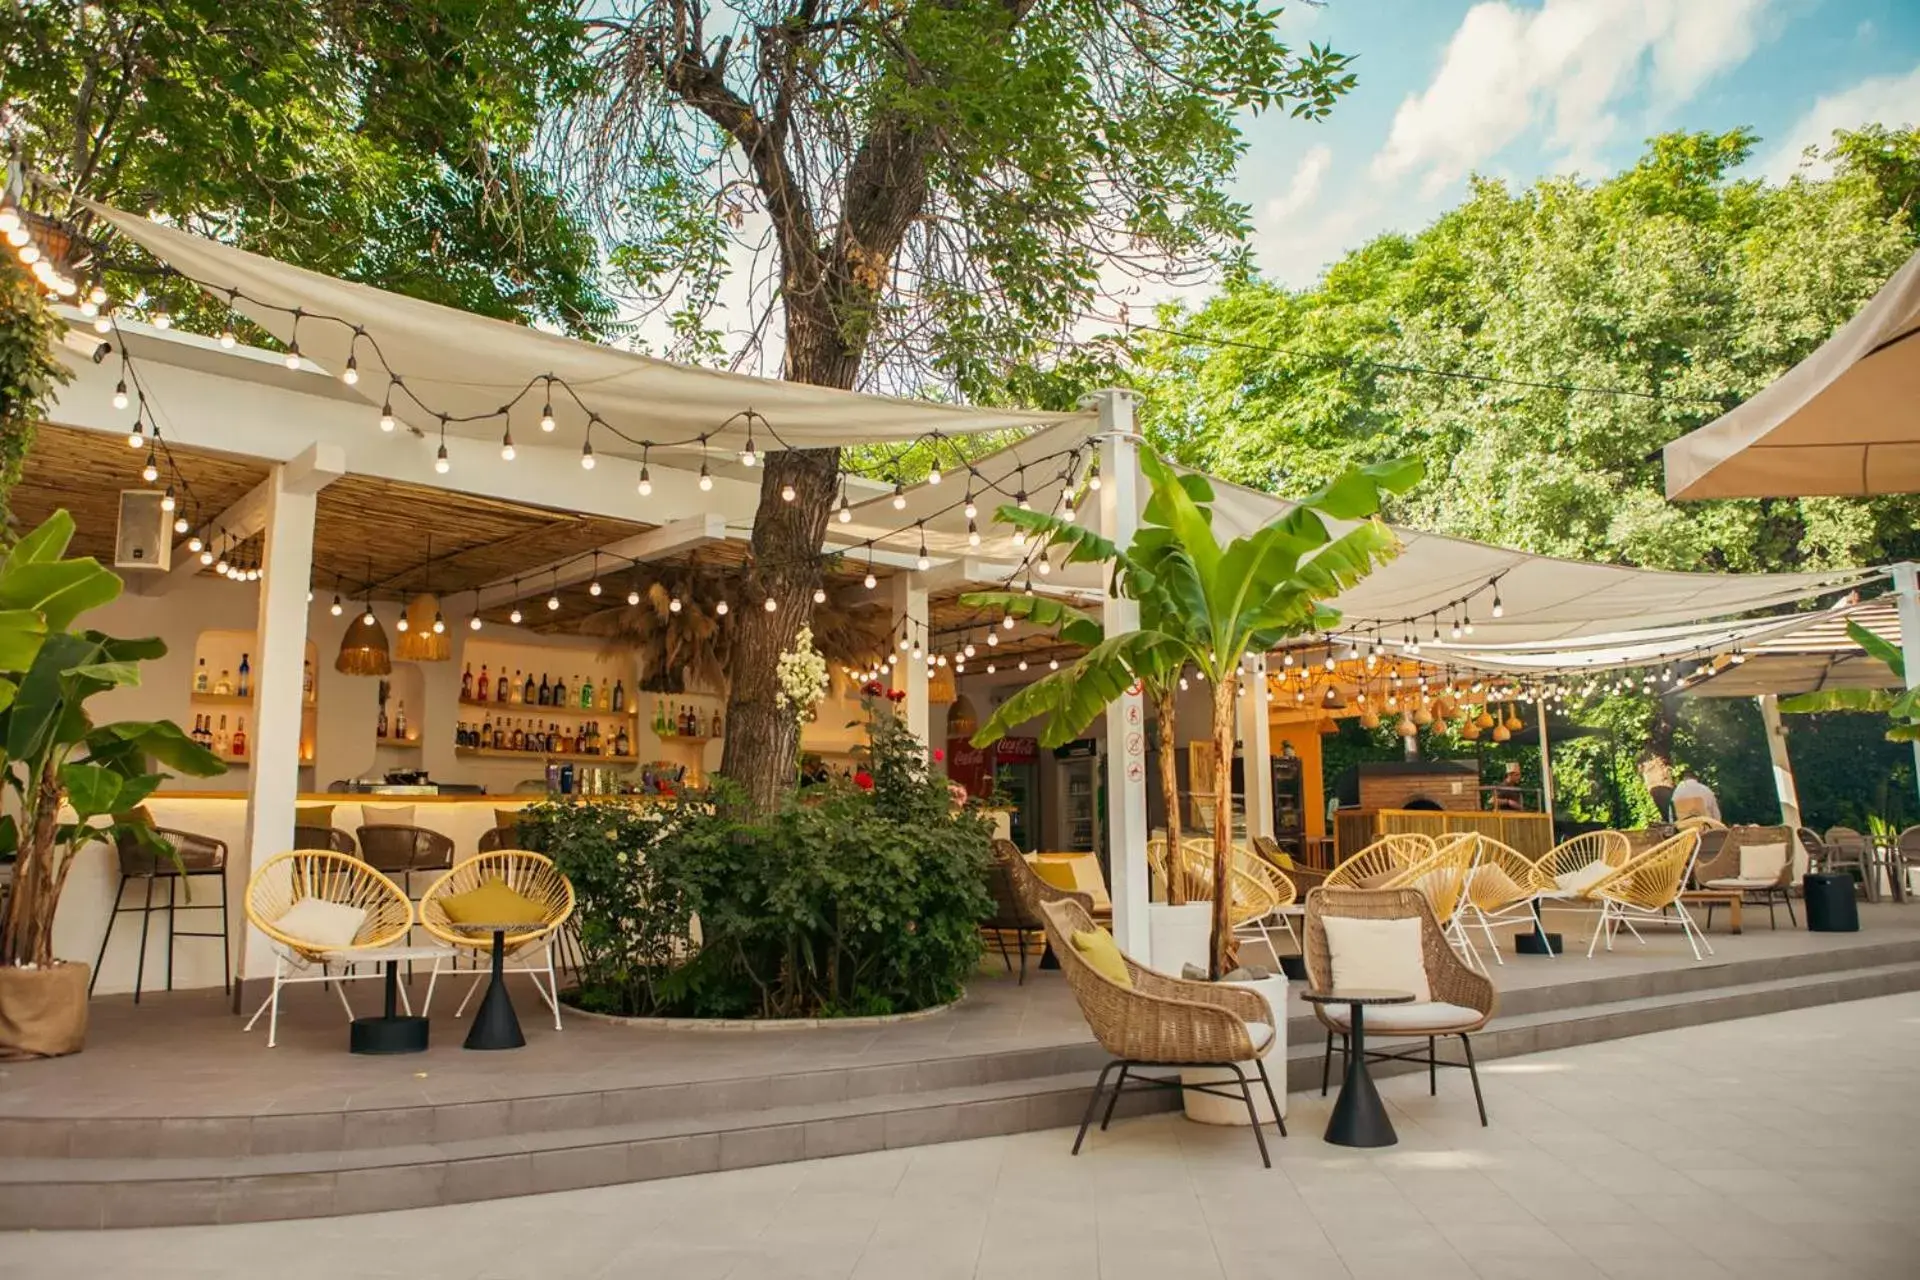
(1830, 903)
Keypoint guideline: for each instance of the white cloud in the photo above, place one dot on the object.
(1307, 177)
(1508, 68)
(1892, 100)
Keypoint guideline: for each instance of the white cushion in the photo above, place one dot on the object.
(392, 815)
(1762, 861)
(1382, 955)
(1259, 1033)
(326, 925)
(1581, 879)
(1744, 882)
(1430, 1015)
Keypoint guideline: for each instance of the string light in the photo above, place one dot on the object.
(646, 478)
(506, 446)
(770, 604)
(137, 436)
(720, 609)
(386, 408)
(673, 604)
(899, 496)
(819, 595)
(151, 471)
(120, 394)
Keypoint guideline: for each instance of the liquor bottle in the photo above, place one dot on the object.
(220, 737)
(586, 692)
(466, 684)
(240, 737)
(195, 734)
(486, 684)
(225, 686)
(519, 741)
(569, 743)
(486, 734)
(400, 722)
(246, 677)
(200, 677)
(380, 725)
(306, 682)
(619, 695)
(716, 723)
(693, 723)
(527, 690)
(605, 696)
(621, 747)
(545, 693)
(504, 692)
(559, 693)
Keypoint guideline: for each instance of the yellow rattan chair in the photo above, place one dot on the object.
(1647, 887)
(532, 875)
(1249, 901)
(1504, 888)
(332, 877)
(1441, 878)
(1382, 864)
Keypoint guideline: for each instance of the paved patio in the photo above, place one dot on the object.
(1770, 1147)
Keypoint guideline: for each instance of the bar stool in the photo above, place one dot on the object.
(330, 838)
(401, 851)
(195, 856)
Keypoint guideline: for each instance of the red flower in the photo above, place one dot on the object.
(863, 780)
(896, 695)
(939, 754)
(873, 689)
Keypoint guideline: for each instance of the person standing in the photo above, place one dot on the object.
(1693, 798)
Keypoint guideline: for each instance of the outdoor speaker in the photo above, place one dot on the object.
(145, 536)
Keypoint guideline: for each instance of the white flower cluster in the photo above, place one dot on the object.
(802, 676)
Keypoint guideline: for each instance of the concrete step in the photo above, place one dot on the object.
(82, 1189)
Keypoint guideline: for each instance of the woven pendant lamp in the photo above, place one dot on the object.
(363, 648)
(419, 641)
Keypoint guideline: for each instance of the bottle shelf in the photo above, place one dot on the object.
(692, 739)
(497, 754)
(228, 758)
(399, 744)
(223, 699)
(535, 709)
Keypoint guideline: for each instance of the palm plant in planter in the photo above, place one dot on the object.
(56, 758)
(1203, 605)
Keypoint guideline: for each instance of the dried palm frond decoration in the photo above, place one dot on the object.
(363, 649)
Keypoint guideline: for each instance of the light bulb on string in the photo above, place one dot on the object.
(120, 394)
(586, 454)
(439, 624)
(206, 556)
(180, 524)
(993, 639)
(721, 608)
(473, 623)
(706, 481)
(167, 502)
(972, 509)
(515, 616)
(646, 474)
(869, 582)
(770, 604)
(673, 604)
(336, 608)
(227, 337)
(786, 493)
(351, 374)
(151, 471)
(403, 625)
(506, 446)
(367, 619)
(137, 436)
(933, 474)
(387, 422)
(819, 595)
(899, 496)
(442, 463)
(546, 409)
(195, 543)
(973, 534)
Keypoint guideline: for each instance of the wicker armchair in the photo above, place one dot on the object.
(1442, 877)
(1164, 1022)
(1462, 1000)
(1011, 914)
(332, 877)
(1303, 877)
(1720, 869)
(329, 838)
(1035, 892)
(1505, 887)
(403, 851)
(494, 839)
(1646, 887)
(1381, 864)
(530, 874)
(1848, 850)
(1276, 884)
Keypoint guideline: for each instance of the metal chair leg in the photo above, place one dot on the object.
(226, 947)
(107, 937)
(1119, 1083)
(1466, 1042)
(1433, 1070)
(1326, 1064)
(172, 882)
(140, 969)
(1266, 1082)
(1092, 1102)
(1253, 1113)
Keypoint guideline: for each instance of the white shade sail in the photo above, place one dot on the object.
(469, 366)
(1843, 422)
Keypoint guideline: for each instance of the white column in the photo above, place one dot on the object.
(1546, 764)
(1126, 715)
(909, 598)
(280, 642)
(1782, 766)
(1256, 748)
(1908, 590)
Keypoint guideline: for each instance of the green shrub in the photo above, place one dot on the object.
(841, 903)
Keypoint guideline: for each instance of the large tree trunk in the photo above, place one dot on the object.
(1223, 697)
(761, 737)
(1170, 789)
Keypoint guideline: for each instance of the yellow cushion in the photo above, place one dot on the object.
(1283, 860)
(506, 819)
(494, 902)
(1103, 953)
(313, 815)
(1058, 874)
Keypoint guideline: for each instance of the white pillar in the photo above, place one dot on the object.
(1256, 748)
(279, 651)
(1546, 764)
(1908, 590)
(909, 598)
(1783, 784)
(1126, 715)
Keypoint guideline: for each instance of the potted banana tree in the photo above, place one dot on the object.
(75, 781)
(1204, 605)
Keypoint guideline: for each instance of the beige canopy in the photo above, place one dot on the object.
(1844, 422)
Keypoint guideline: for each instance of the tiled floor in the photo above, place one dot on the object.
(183, 1053)
(1786, 1146)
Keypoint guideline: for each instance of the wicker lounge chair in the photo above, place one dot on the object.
(1036, 892)
(1011, 914)
(1722, 870)
(532, 875)
(1164, 1022)
(283, 882)
(1462, 1000)
(1647, 887)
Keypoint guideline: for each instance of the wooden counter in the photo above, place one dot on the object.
(374, 797)
(1354, 829)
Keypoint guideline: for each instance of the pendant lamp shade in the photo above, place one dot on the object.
(419, 642)
(363, 650)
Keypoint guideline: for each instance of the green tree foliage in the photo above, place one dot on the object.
(378, 141)
(29, 370)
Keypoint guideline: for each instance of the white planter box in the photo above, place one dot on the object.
(1207, 1108)
(1178, 936)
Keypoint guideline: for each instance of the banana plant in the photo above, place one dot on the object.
(1207, 605)
(52, 754)
(1902, 706)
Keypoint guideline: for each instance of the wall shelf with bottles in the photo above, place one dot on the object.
(223, 683)
(494, 753)
(535, 709)
(563, 673)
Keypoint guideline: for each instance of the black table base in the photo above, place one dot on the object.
(495, 1024)
(1537, 942)
(1359, 1117)
(389, 1033)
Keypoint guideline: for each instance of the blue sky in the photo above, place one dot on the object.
(1521, 88)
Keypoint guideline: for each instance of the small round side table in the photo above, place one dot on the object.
(1359, 1117)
